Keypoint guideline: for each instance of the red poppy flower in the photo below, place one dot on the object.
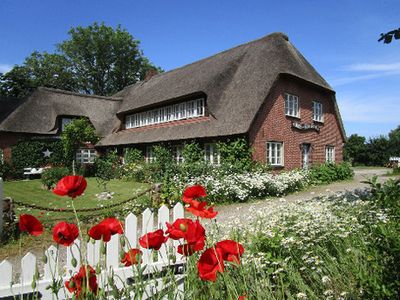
(242, 298)
(131, 257)
(178, 229)
(65, 233)
(71, 186)
(210, 263)
(78, 283)
(199, 209)
(153, 240)
(193, 192)
(30, 224)
(105, 229)
(231, 250)
(190, 248)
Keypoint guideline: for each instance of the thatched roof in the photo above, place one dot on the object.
(7, 106)
(41, 111)
(235, 82)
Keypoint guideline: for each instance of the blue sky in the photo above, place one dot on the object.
(339, 38)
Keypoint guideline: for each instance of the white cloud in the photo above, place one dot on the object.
(350, 79)
(367, 67)
(4, 68)
(377, 109)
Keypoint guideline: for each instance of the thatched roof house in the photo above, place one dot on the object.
(239, 90)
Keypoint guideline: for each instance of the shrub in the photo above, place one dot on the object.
(133, 155)
(107, 168)
(327, 173)
(236, 155)
(51, 176)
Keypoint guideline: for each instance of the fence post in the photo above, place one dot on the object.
(1, 208)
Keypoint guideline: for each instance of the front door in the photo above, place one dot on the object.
(306, 155)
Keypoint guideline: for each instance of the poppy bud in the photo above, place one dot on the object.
(72, 284)
(33, 285)
(122, 241)
(74, 262)
(44, 259)
(182, 227)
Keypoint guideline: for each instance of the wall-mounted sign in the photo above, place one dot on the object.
(305, 126)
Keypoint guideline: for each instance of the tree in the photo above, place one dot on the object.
(394, 142)
(354, 149)
(388, 37)
(97, 59)
(75, 134)
(376, 151)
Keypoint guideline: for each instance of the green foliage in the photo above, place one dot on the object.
(5, 170)
(133, 155)
(327, 173)
(107, 168)
(386, 194)
(29, 154)
(355, 149)
(97, 59)
(236, 154)
(374, 152)
(75, 134)
(51, 176)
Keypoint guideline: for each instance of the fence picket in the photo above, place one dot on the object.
(51, 265)
(112, 255)
(177, 214)
(131, 231)
(73, 252)
(28, 268)
(93, 253)
(6, 273)
(163, 217)
(147, 226)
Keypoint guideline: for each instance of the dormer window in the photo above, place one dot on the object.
(175, 112)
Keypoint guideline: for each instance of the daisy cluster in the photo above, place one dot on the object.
(241, 187)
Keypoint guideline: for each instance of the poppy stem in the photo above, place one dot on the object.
(79, 228)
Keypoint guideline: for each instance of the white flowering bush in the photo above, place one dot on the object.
(225, 185)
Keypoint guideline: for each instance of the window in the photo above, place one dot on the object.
(177, 153)
(65, 122)
(180, 111)
(1, 156)
(275, 153)
(292, 105)
(85, 156)
(150, 154)
(318, 115)
(211, 154)
(330, 154)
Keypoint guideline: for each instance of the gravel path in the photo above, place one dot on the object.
(228, 213)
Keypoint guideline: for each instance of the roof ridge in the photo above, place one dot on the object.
(271, 35)
(42, 88)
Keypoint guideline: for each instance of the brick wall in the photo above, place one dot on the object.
(6, 141)
(271, 124)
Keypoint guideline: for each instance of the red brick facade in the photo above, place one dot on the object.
(8, 139)
(271, 124)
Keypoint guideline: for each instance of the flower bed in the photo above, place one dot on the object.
(223, 186)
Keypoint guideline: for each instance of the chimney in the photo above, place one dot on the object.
(150, 73)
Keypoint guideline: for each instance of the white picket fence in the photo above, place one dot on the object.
(111, 260)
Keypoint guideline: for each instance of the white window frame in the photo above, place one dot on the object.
(85, 155)
(318, 113)
(1, 156)
(329, 154)
(149, 158)
(180, 111)
(292, 105)
(211, 154)
(275, 153)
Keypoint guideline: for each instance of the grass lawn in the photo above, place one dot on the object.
(32, 192)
